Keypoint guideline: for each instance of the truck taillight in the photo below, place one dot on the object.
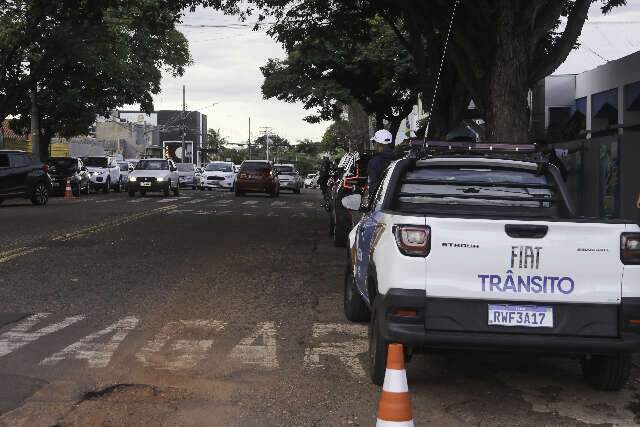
(413, 240)
(630, 248)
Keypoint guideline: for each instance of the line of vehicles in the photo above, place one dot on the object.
(21, 176)
(479, 247)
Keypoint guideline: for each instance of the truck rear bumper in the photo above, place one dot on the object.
(422, 333)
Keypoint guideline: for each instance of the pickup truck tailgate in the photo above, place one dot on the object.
(568, 262)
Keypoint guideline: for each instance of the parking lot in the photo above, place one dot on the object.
(210, 309)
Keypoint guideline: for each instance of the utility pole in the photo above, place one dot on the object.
(35, 122)
(249, 141)
(184, 108)
(266, 130)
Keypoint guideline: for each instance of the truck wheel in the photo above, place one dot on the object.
(607, 372)
(377, 352)
(355, 309)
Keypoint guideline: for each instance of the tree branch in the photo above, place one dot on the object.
(564, 45)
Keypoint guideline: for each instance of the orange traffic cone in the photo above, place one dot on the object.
(68, 194)
(394, 408)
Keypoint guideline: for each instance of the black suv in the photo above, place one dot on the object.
(21, 176)
(351, 179)
(63, 168)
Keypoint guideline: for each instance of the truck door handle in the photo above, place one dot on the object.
(520, 231)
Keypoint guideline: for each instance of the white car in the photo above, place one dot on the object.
(289, 177)
(104, 173)
(187, 172)
(483, 250)
(154, 175)
(218, 175)
(311, 181)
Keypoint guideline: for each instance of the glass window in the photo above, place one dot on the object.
(96, 162)
(219, 167)
(284, 169)
(604, 110)
(632, 97)
(19, 160)
(476, 186)
(152, 165)
(255, 167)
(63, 163)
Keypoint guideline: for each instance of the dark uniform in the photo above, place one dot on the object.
(377, 166)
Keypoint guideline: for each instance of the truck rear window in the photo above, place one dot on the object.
(475, 187)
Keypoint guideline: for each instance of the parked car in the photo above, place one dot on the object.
(218, 175)
(104, 173)
(350, 178)
(154, 175)
(289, 177)
(187, 172)
(311, 181)
(23, 177)
(257, 176)
(63, 168)
(483, 250)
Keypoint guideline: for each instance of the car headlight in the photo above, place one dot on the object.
(160, 179)
(132, 178)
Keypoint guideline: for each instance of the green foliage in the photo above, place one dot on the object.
(336, 137)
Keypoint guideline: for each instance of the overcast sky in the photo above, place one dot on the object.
(227, 60)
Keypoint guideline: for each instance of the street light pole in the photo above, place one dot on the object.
(183, 122)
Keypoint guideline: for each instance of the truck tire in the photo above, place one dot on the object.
(355, 309)
(607, 372)
(378, 349)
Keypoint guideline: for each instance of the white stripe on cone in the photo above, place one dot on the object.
(395, 381)
(384, 423)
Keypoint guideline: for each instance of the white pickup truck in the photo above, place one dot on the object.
(483, 250)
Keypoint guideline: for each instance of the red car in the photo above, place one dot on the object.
(257, 176)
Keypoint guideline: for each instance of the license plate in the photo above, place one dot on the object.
(529, 316)
(145, 184)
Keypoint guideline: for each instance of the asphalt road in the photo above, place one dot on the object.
(208, 309)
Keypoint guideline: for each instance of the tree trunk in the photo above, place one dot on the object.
(45, 144)
(507, 111)
(379, 121)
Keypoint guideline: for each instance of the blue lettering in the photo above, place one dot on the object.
(494, 282)
(508, 282)
(524, 285)
(570, 288)
(484, 278)
(536, 286)
(552, 283)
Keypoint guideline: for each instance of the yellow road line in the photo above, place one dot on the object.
(15, 253)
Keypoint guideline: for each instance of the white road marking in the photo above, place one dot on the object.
(180, 211)
(299, 214)
(250, 202)
(263, 355)
(307, 204)
(347, 352)
(221, 202)
(109, 201)
(195, 201)
(140, 200)
(172, 199)
(272, 214)
(20, 336)
(247, 214)
(278, 204)
(97, 354)
(181, 354)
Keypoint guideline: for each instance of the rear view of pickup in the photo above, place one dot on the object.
(485, 252)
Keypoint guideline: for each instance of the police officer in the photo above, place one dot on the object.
(384, 147)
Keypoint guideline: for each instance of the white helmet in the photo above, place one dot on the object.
(382, 136)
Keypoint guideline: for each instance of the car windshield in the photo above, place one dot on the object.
(285, 169)
(255, 167)
(152, 165)
(219, 167)
(65, 163)
(185, 167)
(96, 162)
(475, 186)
